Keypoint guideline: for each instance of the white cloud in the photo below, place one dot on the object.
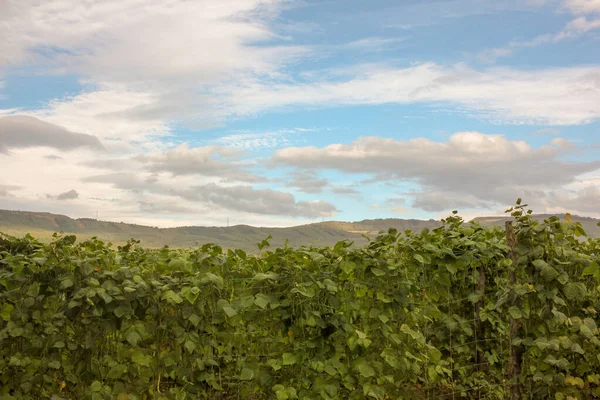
(70, 195)
(6, 190)
(19, 131)
(236, 198)
(96, 35)
(558, 96)
(583, 6)
(206, 161)
(375, 44)
(146, 73)
(470, 170)
(253, 141)
(575, 28)
(307, 181)
(98, 113)
(178, 185)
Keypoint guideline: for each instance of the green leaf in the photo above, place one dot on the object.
(140, 358)
(120, 311)
(231, 312)
(591, 269)
(541, 343)
(189, 346)
(585, 331)
(6, 311)
(96, 386)
(214, 279)
(590, 323)
(263, 277)
(419, 258)
(305, 291)
(190, 294)
(474, 297)
(194, 319)
(576, 348)
(66, 283)
(575, 291)
(247, 374)
(381, 297)
(364, 368)
(261, 300)
(547, 272)
(172, 297)
(133, 337)
(377, 271)
(274, 363)
(347, 266)
(116, 371)
(515, 313)
(376, 392)
(54, 364)
(289, 359)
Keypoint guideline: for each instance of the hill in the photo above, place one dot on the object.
(43, 225)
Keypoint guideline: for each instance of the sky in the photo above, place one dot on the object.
(279, 112)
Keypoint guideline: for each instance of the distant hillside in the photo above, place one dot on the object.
(43, 225)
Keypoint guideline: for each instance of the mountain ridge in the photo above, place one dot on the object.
(43, 224)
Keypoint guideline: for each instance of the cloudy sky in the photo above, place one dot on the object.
(281, 112)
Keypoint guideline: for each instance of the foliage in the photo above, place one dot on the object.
(409, 315)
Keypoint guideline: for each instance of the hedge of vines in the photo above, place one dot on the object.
(411, 315)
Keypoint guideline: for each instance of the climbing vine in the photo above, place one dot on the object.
(411, 315)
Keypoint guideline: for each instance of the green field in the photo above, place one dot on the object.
(460, 310)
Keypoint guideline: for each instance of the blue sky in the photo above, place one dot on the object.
(277, 113)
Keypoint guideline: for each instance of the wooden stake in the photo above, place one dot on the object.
(515, 354)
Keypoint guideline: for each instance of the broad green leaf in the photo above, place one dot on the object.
(585, 331)
(133, 337)
(189, 346)
(116, 371)
(140, 358)
(263, 277)
(592, 269)
(575, 291)
(247, 374)
(576, 348)
(120, 311)
(274, 363)
(172, 297)
(289, 359)
(419, 258)
(190, 294)
(96, 386)
(6, 311)
(364, 368)
(54, 364)
(194, 319)
(305, 291)
(214, 279)
(515, 313)
(347, 266)
(66, 283)
(261, 300)
(231, 312)
(547, 272)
